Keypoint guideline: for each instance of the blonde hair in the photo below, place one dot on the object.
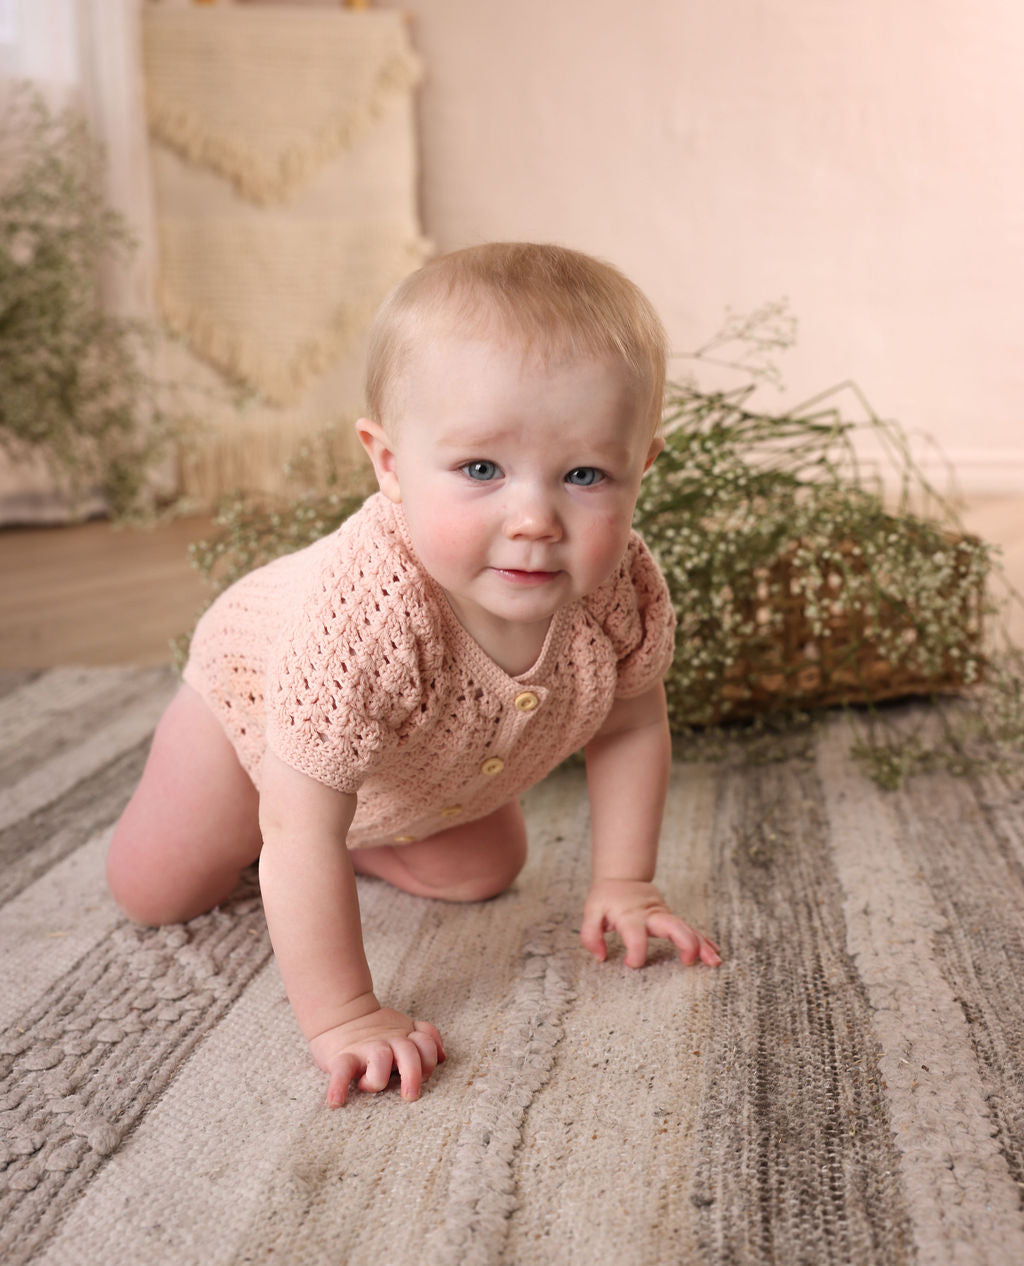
(559, 302)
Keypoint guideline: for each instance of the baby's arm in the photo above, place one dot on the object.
(628, 763)
(312, 909)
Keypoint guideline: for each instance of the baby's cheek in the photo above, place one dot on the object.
(605, 543)
(453, 536)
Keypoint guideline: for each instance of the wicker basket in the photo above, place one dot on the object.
(793, 662)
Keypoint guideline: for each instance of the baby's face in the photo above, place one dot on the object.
(518, 479)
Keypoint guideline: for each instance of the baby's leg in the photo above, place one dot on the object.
(465, 863)
(192, 825)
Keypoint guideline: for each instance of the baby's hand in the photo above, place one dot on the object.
(373, 1045)
(637, 910)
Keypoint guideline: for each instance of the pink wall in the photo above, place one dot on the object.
(862, 157)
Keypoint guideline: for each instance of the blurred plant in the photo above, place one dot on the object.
(253, 528)
(73, 389)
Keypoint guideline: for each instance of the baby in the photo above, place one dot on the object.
(375, 703)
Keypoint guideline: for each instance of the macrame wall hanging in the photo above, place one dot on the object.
(284, 166)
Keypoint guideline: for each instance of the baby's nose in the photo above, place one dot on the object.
(533, 517)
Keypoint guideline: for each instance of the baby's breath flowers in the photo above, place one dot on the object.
(794, 585)
(798, 586)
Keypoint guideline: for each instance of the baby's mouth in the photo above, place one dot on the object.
(517, 576)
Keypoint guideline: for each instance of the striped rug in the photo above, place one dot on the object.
(847, 1088)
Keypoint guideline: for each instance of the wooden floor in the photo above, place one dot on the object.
(97, 594)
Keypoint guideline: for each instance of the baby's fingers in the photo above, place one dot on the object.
(412, 1067)
(414, 1058)
(342, 1070)
(692, 946)
(417, 1058)
(380, 1060)
(428, 1043)
(634, 940)
(592, 936)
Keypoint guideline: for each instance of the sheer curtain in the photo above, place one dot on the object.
(39, 41)
(112, 93)
(86, 53)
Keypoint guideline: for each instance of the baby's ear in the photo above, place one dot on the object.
(375, 440)
(657, 446)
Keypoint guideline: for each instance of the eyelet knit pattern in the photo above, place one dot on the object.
(346, 660)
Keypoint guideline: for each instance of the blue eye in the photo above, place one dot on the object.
(584, 477)
(482, 470)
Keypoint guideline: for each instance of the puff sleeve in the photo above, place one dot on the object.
(635, 611)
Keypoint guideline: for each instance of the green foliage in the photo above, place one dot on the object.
(72, 386)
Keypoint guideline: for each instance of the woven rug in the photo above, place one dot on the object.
(847, 1088)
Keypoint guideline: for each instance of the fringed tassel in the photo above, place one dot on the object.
(279, 177)
(253, 455)
(278, 379)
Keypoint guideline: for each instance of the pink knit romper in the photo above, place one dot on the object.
(347, 661)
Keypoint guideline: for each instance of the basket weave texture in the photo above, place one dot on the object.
(832, 633)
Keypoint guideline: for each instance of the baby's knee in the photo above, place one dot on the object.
(481, 887)
(152, 893)
(506, 870)
(459, 879)
(135, 900)
(468, 863)
(499, 870)
(154, 901)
